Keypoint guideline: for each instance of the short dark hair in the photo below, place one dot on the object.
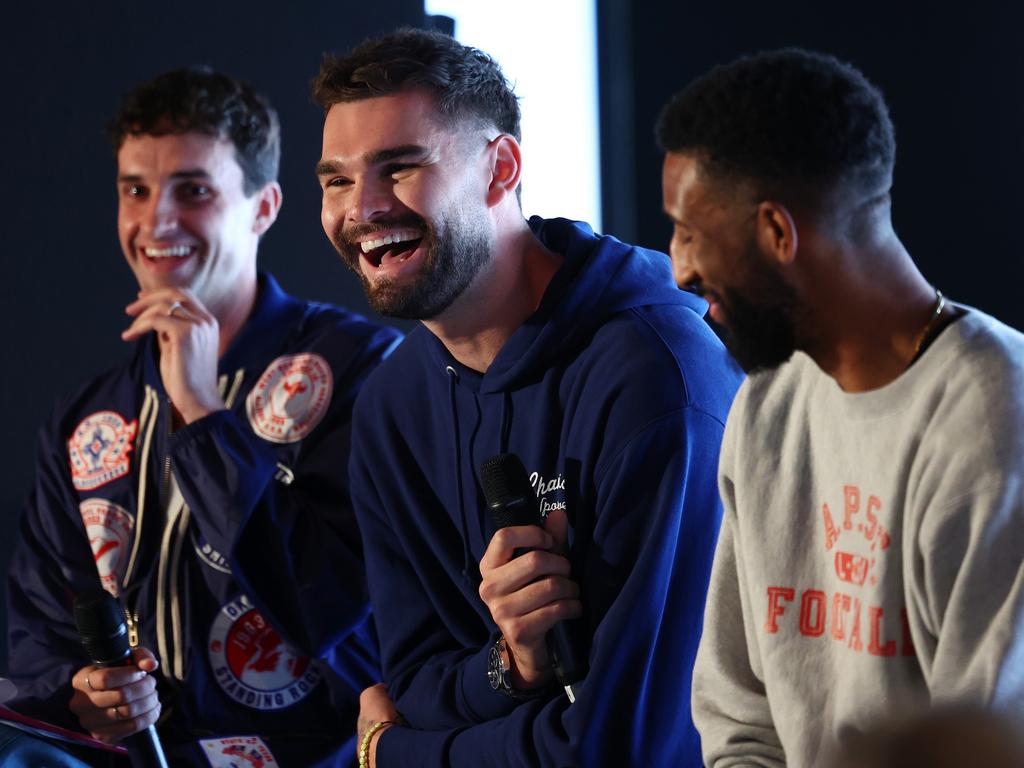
(790, 121)
(199, 99)
(466, 82)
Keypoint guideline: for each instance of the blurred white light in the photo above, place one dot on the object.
(548, 51)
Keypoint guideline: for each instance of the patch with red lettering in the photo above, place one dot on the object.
(252, 664)
(859, 529)
(290, 398)
(109, 528)
(98, 449)
(238, 752)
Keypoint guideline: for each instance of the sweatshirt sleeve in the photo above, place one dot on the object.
(643, 581)
(52, 553)
(292, 540)
(730, 706)
(965, 599)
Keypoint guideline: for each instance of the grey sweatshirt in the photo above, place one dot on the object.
(870, 559)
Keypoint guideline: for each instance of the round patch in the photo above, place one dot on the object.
(238, 752)
(99, 448)
(252, 664)
(290, 398)
(109, 528)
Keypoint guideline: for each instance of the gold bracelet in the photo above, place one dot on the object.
(364, 745)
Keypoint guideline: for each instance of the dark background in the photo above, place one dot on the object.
(953, 81)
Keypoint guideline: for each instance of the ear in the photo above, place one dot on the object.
(267, 206)
(505, 165)
(776, 231)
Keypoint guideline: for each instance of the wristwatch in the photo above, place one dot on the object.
(499, 673)
(499, 668)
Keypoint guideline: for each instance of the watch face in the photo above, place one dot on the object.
(494, 668)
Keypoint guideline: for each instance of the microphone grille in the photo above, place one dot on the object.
(503, 479)
(101, 626)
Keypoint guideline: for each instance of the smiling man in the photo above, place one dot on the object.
(541, 339)
(871, 560)
(202, 482)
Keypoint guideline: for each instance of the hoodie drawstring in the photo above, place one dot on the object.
(506, 421)
(453, 380)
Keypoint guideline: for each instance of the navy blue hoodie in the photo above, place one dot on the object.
(614, 394)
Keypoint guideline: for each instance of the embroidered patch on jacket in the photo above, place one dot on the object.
(207, 553)
(109, 528)
(99, 448)
(252, 664)
(290, 398)
(238, 752)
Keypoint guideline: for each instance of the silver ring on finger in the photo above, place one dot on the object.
(116, 713)
(175, 306)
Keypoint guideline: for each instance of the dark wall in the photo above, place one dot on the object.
(67, 64)
(953, 81)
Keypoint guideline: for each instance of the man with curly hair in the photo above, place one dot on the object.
(872, 470)
(202, 482)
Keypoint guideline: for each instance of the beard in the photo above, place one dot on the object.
(760, 334)
(454, 254)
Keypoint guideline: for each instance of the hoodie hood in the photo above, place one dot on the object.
(599, 277)
(600, 280)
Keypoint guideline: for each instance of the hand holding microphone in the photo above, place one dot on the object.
(114, 697)
(527, 587)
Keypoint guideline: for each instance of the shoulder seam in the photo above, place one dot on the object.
(690, 407)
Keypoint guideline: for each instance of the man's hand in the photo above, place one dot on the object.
(375, 706)
(527, 596)
(115, 702)
(189, 337)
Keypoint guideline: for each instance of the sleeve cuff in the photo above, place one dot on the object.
(480, 698)
(209, 423)
(401, 747)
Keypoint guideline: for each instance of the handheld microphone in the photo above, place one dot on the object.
(512, 501)
(102, 630)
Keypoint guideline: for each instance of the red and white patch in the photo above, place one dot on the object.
(252, 664)
(290, 398)
(98, 449)
(238, 752)
(109, 528)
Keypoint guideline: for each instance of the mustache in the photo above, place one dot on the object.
(698, 288)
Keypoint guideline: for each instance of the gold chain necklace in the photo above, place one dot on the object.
(940, 304)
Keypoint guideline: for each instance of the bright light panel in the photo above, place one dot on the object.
(548, 50)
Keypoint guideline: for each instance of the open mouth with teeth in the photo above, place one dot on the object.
(169, 252)
(392, 248)
(167, 259)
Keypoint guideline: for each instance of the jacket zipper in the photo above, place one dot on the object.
(130, 590)
(132, 620)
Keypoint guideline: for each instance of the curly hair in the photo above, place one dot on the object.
(199, 99)
(790, 121)
(466, 82)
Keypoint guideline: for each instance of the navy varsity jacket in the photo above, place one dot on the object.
(230, 542)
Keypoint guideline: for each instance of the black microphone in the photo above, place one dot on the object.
(512, 501)
(102, 630)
